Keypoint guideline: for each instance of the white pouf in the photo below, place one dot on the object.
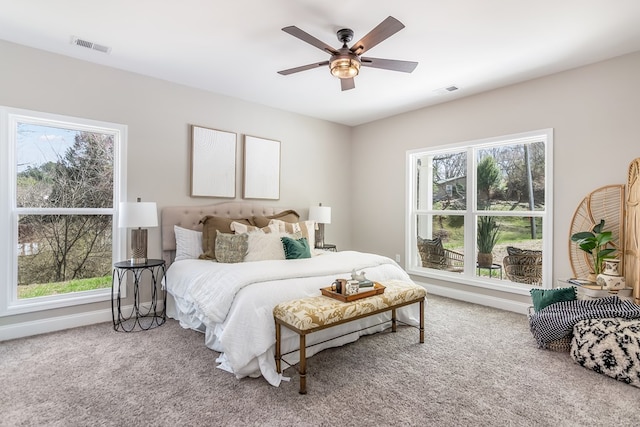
(609, 346)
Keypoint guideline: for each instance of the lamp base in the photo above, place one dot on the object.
(138, 246)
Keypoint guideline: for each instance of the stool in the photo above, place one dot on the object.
(609, 346)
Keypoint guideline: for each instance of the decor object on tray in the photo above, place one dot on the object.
(596, 244)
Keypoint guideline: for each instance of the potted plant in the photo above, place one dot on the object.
(488, 231)
(595, 244)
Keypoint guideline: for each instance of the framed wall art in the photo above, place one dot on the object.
(213, 163)
(261, 168)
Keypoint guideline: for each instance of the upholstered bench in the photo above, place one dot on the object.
(307, 315)
(609, 346)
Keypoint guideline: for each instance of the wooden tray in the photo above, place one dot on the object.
(377, 289)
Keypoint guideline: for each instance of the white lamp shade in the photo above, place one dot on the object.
(138, 214)
(320, 214)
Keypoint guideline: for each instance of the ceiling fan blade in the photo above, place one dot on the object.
(347, 84)
(389, 64)
(384, 30)
(303, 68)
(306, 37)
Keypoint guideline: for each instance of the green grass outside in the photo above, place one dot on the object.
(46, 289)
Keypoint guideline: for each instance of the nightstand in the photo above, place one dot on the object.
(142, 317)
(328, 247)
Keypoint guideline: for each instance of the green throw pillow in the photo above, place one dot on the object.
(296, 249)
(544, 297)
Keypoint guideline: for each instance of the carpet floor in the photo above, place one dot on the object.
(479, 366)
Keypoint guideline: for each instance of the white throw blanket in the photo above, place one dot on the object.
(214, 292)
(235, 302)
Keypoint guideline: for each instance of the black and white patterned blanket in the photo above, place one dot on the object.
(556, 321)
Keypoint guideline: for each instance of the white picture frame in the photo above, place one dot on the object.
(213, 163)
(261, 168)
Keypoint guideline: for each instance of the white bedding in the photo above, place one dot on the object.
(233, 304)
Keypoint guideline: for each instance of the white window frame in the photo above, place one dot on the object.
(9, 117)
(412, 262)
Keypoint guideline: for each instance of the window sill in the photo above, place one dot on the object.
(495, 284)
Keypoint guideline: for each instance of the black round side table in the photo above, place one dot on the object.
(140, 316)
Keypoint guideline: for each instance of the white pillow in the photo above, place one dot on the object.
(266, 246)
(188, 243)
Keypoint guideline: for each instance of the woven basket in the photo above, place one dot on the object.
(561, 345)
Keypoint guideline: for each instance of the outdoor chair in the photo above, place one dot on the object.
(523, 265)
(434, 255)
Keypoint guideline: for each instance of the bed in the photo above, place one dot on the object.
(232, 302)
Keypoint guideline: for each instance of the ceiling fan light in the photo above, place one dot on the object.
(345, 68)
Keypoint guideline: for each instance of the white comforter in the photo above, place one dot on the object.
(234, 304)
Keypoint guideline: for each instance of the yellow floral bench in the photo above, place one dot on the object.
(307, 315)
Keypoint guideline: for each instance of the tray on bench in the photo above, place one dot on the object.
(377, 289)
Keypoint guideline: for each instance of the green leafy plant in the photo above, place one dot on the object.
(595, 244)
(488, 232)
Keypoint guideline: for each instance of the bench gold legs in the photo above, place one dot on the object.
(278, 353)
(303, 364)
(302, 367)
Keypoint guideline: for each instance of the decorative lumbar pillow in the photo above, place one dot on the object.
(286, 216)
(188, 243)
(211, 224)
(544, 297)
(231, 248)
(267, 246)
(240, 228)
(296, 249)
(306, 228)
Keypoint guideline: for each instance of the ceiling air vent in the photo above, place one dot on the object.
(90, 45)
(446, 90)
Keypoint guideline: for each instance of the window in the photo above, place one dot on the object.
(65, 178)
(479, 212)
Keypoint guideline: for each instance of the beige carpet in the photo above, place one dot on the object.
(478, 366)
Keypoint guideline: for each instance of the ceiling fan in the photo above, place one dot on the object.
(345, 62)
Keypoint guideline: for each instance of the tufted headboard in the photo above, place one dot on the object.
(190, 216)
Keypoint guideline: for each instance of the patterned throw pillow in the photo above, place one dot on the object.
(231, 248)
(306, 228)
(210, 225)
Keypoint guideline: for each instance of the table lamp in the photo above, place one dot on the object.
(135, 216)
(321, 215)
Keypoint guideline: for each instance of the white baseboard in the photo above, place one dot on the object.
(59, 323)
(489, 301)
(52, 324)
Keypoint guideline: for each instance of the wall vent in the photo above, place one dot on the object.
(90, 45)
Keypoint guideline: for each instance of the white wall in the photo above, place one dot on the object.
(594, 113)
(314, 153)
